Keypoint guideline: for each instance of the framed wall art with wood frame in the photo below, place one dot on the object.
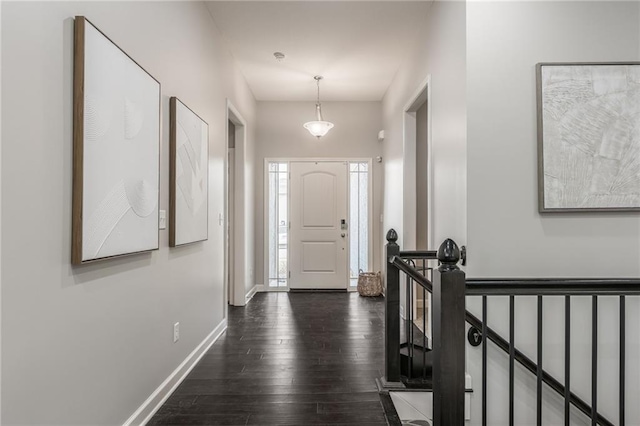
(188, 175)
(116, 150)
(588, 136)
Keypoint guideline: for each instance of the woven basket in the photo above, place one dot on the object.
(369, 284)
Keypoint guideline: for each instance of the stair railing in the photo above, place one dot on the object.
(449, 288)
(553, 287)
(448, 318)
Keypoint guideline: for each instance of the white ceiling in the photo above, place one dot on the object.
(357, 46)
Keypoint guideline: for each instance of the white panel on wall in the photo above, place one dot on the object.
(119, 149)
(589, 135)
(189, 175)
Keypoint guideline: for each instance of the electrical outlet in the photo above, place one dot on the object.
(176, 332)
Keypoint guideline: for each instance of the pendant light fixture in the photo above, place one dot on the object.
(319, 127)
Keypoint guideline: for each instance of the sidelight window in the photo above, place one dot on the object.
(358, 220)
(278, 223)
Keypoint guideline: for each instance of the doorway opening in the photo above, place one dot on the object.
(318, 223)
(235, 223)
(418, 187)
(231, 192)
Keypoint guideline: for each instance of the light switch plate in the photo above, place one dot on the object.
(163, 219)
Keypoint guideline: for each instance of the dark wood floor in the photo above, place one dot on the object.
(288, 359)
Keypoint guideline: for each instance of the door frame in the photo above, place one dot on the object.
(265, 209)
(420, 96)
(235, 291)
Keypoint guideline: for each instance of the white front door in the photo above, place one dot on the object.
(318, 225)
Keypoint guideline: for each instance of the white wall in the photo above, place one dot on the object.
(439, 52)
(507, 235)
(280, 135)
(504, 43)
(87, 345)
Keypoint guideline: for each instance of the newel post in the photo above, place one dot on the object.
(448, 338)
(392, 313)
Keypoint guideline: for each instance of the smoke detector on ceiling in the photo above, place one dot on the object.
(279, 56)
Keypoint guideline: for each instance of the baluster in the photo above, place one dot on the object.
(485, 342)
(539, 369)
(512, 354)
(621, 396)
(424, 330)
(567, 360)
(408, 329)
(594, 360)
(392, 312)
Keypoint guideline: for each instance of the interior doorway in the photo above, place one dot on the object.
(418, 187)
(236, 268)
(231, 191)
(422, 178)
(422, 209)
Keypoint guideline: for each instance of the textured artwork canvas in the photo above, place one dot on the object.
(189, 158)
(116, 150)
(589, 136)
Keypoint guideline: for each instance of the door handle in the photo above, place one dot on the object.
(343, 235)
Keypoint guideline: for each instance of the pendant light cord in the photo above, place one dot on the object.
(318, 105)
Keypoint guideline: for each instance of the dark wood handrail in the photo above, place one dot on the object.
(419, 254)
(553, 287)
(531, 287)
(412, 272)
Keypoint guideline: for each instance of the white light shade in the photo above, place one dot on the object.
(318, 128)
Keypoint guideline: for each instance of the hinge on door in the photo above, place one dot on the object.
(289, 224)
(289, 274)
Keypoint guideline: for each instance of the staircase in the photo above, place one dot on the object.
(429, 377)
(413, 404)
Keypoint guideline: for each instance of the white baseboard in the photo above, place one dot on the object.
(275, 289)
(146, 411)
(251, 293)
